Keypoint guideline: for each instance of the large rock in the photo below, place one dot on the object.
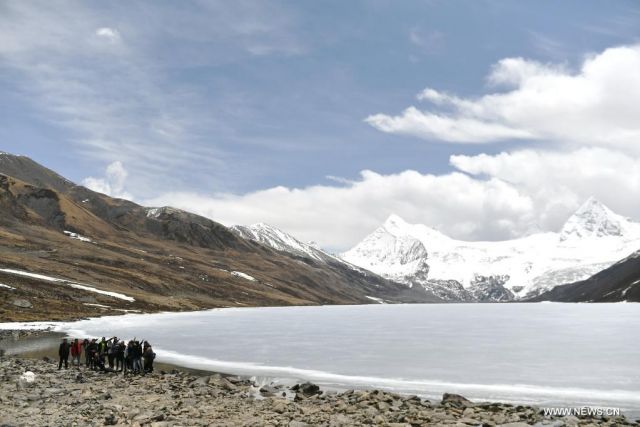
(22, 303)
(268, 390)
(306, 389)
(455, 400)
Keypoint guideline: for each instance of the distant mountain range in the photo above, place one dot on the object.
(592, 239)
(69, 252)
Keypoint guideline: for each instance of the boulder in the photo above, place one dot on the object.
(110, 420)
(268, 390)
(22, 303)
(455, 400)
(307, 389)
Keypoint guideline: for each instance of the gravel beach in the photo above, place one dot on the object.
(177, 397)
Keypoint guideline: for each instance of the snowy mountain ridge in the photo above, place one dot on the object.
(277, 239)
(592, 239)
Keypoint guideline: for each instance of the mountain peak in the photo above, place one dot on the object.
(394, 222)
(594, 219)
(592, 204)
(31, 172)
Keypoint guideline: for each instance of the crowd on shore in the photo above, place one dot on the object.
(108, 355)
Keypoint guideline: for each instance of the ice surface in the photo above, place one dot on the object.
(544, 354)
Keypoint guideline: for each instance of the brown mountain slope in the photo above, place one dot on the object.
(165, 259)
(620, 282)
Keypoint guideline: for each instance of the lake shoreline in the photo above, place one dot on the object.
(183, 398)
(175, 395)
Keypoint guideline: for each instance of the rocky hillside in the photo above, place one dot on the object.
(65, 250)
(620, 282)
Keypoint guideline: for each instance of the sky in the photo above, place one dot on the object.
(486, 120)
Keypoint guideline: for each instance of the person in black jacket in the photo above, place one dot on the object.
(148, 355)
(92, 352)
(87, 355)
(120, 347)
(63, 352)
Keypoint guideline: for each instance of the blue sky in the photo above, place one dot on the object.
(224, 100)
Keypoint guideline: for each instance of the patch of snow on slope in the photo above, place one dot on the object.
(96, 305)
(77, 236)
(6, 286)
(153, 212)
(378, 300)
(243, 275)
(624, 293)
(68, 283)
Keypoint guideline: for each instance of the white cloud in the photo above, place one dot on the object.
(113, 183)
(110, 34)
(337, 217)
(488, 198)
(596, 105)
(414, 122)
(558, 181)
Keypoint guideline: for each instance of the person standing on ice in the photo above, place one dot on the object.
(63, 352)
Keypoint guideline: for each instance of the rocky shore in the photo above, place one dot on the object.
(85, 398)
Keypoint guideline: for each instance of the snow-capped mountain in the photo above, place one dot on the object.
(593, 219)
(275, 238)
(592, 239)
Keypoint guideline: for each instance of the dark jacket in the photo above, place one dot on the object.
(63, 350)
(149, 354)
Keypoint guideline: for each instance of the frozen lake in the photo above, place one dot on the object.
(546, 354)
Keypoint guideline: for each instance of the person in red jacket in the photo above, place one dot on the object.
(76, 352)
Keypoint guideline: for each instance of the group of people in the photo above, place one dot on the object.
(108, 355)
